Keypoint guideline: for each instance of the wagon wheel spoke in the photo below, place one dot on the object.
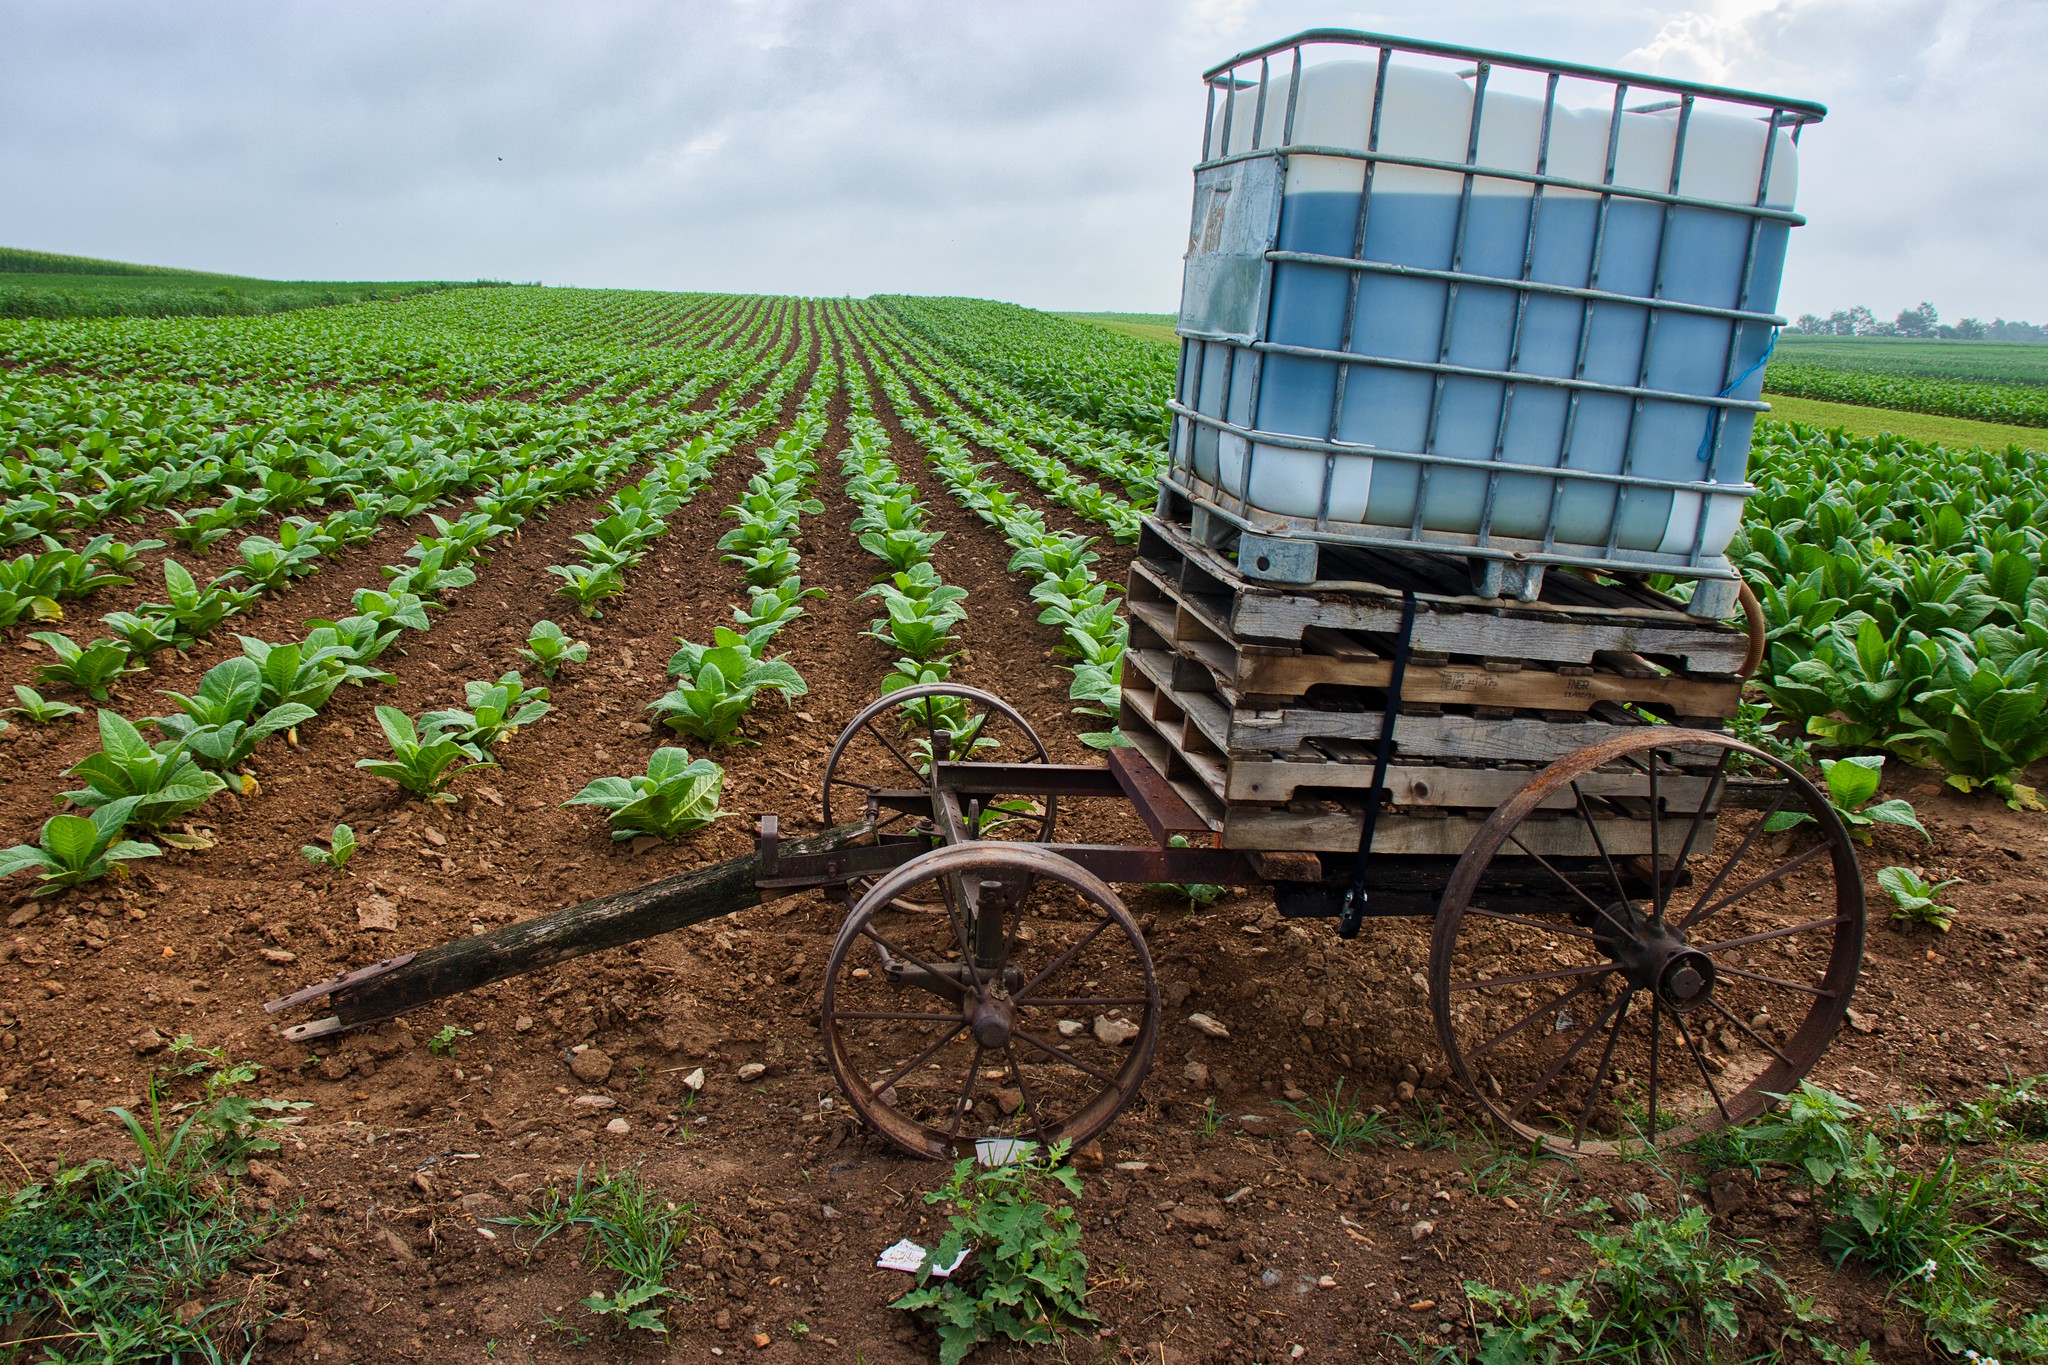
(916, 776)
(1708, 802)
(1600, 843)
(921, 1058)
(1750, 1033)
(1727, 970)
(1734, 858)
(965, 1100)
(1776, 874)
(1063, 1055)
(1024, 992)
(1595, 906)
(1550, 1007)
(1600, 1076)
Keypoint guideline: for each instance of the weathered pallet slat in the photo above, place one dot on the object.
(1607, 617)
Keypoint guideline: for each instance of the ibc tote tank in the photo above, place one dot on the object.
(1514, 281)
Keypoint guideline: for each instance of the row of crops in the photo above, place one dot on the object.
(237, 463)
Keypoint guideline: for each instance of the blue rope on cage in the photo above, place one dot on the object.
(1707, 437)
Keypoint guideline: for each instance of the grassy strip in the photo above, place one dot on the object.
(1144, 326)
(1914, 426)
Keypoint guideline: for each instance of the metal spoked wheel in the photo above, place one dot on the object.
(1644, 981)
(890, 745)
(1027, 1011)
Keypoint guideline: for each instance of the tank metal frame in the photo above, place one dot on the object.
(1502, 565)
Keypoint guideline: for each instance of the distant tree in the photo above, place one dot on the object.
(1811, 324)
(1861, 323)
(1918, 322)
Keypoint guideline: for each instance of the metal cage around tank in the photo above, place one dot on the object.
(1229, 292)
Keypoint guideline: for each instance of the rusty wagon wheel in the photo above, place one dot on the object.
(1602, 980)
(1027, 1011)
(890, 745)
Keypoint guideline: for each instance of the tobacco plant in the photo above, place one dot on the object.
(224, 722)
(92, 669)
(424, 758)
(678, 795)
(73, 849)
(549, 647)
(163, 777)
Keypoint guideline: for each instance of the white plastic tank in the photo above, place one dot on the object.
(1413, 220)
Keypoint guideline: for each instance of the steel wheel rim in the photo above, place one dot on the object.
(1051, 1108)
(864, 724)
(1742, 876)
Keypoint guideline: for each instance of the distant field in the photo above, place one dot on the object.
(1990, 362)
(36, 284)
(1145, 326)
(1957, 432)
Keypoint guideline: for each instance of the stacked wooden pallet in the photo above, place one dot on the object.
(1263, 704)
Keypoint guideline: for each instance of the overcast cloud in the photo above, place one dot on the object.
(1036, 152)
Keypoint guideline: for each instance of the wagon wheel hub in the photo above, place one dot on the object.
(992, 1019)
(1656, 958)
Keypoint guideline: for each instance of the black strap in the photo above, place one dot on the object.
(1375, 796)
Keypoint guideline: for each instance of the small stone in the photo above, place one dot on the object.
(593, 1102)
(1405, 1091)
(149, 1041)
(592, 1065)
(1196, 1073)
(1133, 1167)
(618, 1126)
(1009, 1101)
(1269, 1278)
(1421, 1229)
(523, 1024)
(1294, 1094)
(1861, 1022)
(762, 1341)
(435, 837)
(1327, 1282)
(1410, 1074)
(1115, 1032)
(481, 1205)
(377, 912)
(1204, 1024)
(695, 1080)
(752, 1071)
(279, 955)
(1071, 1028)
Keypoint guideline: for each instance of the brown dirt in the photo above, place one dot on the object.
(1217, 1249)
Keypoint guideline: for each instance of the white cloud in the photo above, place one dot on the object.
(1038, 152)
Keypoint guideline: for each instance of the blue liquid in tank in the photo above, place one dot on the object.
(1404, 318)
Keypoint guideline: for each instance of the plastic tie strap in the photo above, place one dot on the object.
(1707, 437)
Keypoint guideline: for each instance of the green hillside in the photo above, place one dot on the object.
(41, 284)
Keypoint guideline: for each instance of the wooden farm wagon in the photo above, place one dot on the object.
(1643, 928)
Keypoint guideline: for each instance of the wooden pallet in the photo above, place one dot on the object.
(1263, 707)
(1612, 619)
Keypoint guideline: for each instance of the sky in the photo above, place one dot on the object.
(1036, 151)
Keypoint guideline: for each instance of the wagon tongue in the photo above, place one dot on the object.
(398, 985)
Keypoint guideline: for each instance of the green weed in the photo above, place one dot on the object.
(627, 1229)
(1028, 1276)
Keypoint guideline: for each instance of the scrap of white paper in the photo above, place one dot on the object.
(908, 1257)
